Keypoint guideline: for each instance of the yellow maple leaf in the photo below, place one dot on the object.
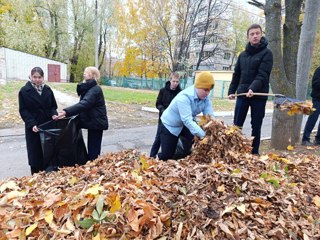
(48, 216)
(228, 209)
(144, 162)
(136, 176)
(96, 237)
(30, 229)
(9, 185)
(316, 201)
(231, 130)
(242, 208)
(202, 120)
(73, 180)
(16, 194)
(290, 148)
(94, 190)
(221, 188)
(116, 205)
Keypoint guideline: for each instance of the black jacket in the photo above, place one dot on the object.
(34, 110)
(253, 69)
(91, 107)
(165, 97)
(315, 93)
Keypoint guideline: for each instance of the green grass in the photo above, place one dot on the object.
(113, 94)
(10, 90)
(137, 96)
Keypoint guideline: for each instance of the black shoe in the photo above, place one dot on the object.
(306, 143)
(316, 143)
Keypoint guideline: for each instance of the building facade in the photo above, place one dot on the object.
(16, 65)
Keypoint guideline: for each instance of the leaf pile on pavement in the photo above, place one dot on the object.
(221, 143)
(295, 108)
(126, 195)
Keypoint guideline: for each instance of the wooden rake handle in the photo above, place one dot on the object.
(261, 94)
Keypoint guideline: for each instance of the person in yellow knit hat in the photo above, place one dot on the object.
(178, 120)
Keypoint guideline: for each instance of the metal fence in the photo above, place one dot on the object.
(220, 88)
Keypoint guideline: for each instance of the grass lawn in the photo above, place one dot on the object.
(9, 92)
(137, 96)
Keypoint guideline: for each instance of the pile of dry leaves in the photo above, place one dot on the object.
(293, 108)
(213, 194)
(221, 143)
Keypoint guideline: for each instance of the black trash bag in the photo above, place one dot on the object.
(183, 148)
(62, 143)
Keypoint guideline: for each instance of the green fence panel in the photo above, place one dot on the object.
(220, 89)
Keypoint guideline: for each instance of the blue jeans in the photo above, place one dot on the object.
(257, 107)
(169, 143)
(311, 122)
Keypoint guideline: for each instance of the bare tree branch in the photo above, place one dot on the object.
(257, 4)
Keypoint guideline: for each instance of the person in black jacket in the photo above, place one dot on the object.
(37, 105)
(165, 96)
(91, 109)
(312, 119)
(251, 75)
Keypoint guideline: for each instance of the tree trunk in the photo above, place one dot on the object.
(291, 35)
(306, 42)
(278, 81)
(284, 124)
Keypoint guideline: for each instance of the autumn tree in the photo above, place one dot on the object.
(305, 49)
(208, 27)
(240, 20)
(52, 17)
(5, 7)
(285, 128)
(141, 39)
(82, 21)
(21, 28)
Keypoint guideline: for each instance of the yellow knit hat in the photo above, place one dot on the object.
(204, 80)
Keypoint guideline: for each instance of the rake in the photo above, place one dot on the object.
(294, 106)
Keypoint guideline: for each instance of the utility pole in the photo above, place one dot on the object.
(96, 35)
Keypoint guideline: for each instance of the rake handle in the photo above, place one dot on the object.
(261, 94)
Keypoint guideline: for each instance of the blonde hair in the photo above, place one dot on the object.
(94, 71)
(174, 75)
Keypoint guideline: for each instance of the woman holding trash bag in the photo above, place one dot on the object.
(37, 105)
(91, 109)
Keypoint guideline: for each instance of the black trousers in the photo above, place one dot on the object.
(156, 144)
(257, 107)
(169, 143)
(94, 143)
(311, 122)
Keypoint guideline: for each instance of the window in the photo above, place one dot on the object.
(212, 39)
(227, 55)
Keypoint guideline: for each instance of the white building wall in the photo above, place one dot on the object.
(16, 65)
(3, 75)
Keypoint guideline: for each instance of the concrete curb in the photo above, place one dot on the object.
(217, 114)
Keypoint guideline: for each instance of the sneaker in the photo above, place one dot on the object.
(306, 143)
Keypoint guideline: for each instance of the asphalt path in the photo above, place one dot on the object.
(13, 153)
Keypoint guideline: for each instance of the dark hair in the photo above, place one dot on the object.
(254, 26)
(37, 70)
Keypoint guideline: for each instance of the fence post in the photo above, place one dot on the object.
(222, 89)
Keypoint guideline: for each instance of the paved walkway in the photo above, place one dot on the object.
(13, 158)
